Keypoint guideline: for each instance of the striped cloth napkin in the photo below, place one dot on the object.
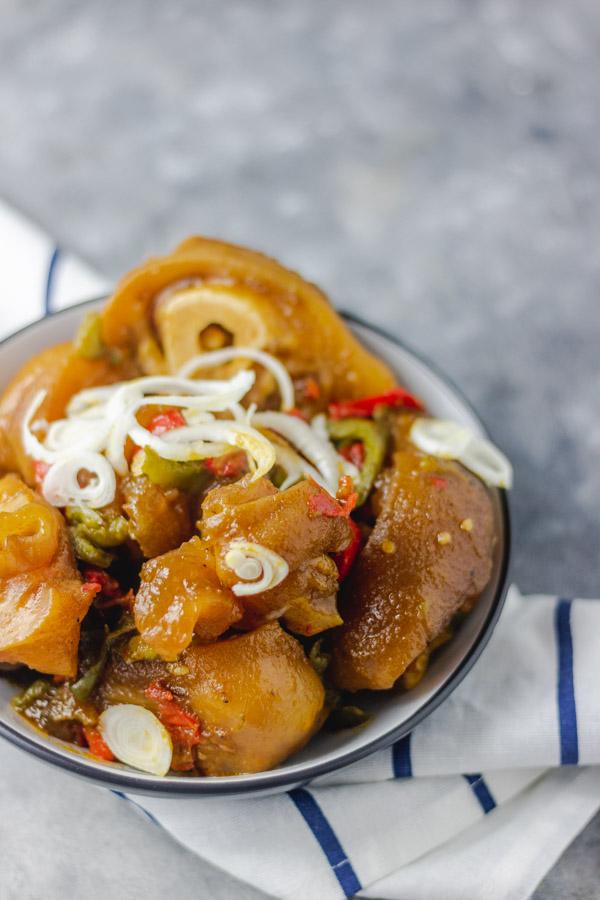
(482, 797)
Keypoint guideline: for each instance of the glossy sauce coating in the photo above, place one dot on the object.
(418, 568)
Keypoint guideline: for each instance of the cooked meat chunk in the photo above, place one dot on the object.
(160, 518)
(42, 601)
(429, 553)
(180, 594)
(285, 522)
(256, 696)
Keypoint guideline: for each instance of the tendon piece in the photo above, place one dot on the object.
(61, 372)
(256, 696)
(209, 294)
(284, 522)
(42, 601)
(160, 519)
(180, 594)
(419, 566)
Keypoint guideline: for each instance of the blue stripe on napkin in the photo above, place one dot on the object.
(482, 792)
(567, 711)
(51, 268)
(401, 761)
(138, 806)
(313, 815)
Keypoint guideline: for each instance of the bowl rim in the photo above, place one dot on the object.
(275, 779)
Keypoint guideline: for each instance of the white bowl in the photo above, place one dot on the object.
(394, 714)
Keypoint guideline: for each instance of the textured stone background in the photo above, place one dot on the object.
(433, 165)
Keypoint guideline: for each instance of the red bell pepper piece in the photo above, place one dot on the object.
(312, 391)
(229, 466)
(166, 421)
(40, 470)
(325, 505)
(354, 453)
(97, 744)
(345, 560)
(365, 407)
(181, 725)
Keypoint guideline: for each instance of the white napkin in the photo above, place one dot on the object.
(482, 797)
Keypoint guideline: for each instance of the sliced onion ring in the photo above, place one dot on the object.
(61, 485)
(252, 561)
(136, 737)
(440, 437)
(226, 354)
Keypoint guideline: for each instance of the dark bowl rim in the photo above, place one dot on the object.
(273, 780)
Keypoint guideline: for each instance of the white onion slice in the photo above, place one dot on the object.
(226, 354)
(252, 561)
(319, 451)
(190, 442)
(440, 437)
(136, 737)
(296, 468)
(61, 486)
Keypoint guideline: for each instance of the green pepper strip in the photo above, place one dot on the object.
(190, 475)
(88, 340)
(83, 687)
(109, 530)
(373, 438)
(86, 551)
(35, 690)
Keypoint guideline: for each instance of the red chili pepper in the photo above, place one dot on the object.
(439, 482)
(325, 505)
(354, 453)
(91, 587)
(157, 691)
(312, 391)
(97, 744)
(294, 411)
(229, 466)
(166, 421)
(40, 470)
(109, 586)
(181, 725)
(345, 560)
(365, 407)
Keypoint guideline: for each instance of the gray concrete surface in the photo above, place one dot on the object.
(433, 165)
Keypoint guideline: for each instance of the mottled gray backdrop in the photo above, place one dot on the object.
(434, 165)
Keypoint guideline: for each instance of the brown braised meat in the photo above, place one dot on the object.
(180, 594)
(61, 371)
(429, 553)
(208, 294)
(160, 518)
(42, 601)
(285, 522)
(256, 697)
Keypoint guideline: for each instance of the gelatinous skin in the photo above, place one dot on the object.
(180, 594)
(254, 300)
(257, 697)
(160, 518)
(61, 372)
(428, 554)
(284, 522)
(41, 598)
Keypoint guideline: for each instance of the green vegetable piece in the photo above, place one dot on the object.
(138, 649)
(86, 551)
(83, 687)
(108, 530)
(348, 717)
(34, 692)
(190, 476)
(88, 340)
(318, 659)
(374, 439)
